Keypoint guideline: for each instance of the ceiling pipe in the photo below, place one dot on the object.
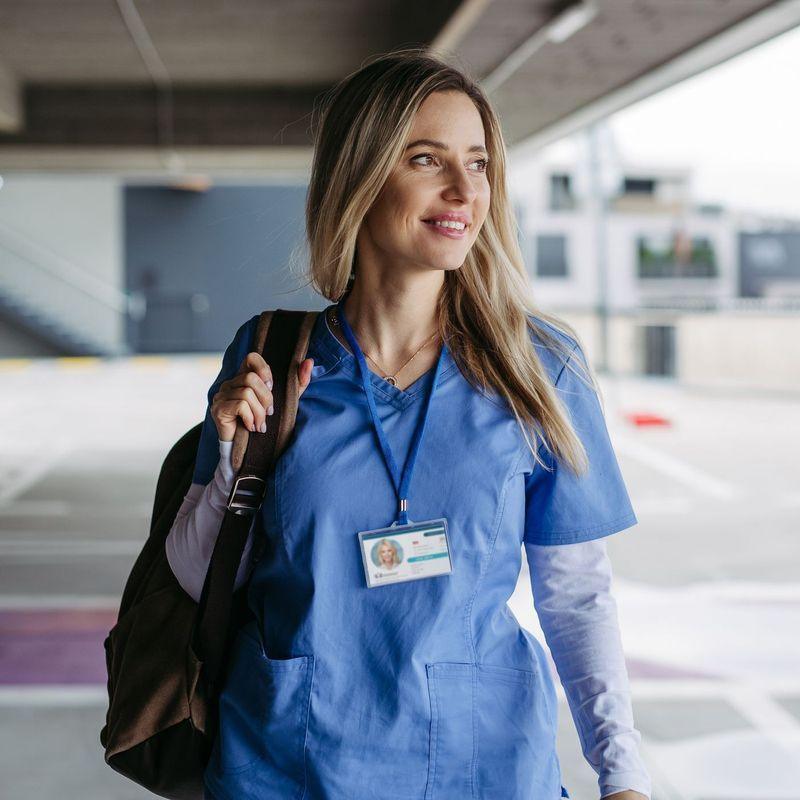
(556, 31)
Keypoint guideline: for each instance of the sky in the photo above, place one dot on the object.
(736, 126)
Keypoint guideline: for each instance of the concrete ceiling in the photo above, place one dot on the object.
(144, 85)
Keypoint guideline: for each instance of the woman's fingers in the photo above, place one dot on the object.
(244, 410)
(250, 380)
(248, 395)
(232, 398)
(255, 361)
(304, 372)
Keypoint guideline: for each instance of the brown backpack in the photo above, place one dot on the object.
(166, 655)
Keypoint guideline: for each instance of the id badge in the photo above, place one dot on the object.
(405, 552)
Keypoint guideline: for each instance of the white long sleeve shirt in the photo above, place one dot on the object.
(571, 586)
(190, 542)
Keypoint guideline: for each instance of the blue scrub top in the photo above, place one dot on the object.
(421, 690)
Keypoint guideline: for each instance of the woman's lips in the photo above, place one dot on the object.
(451, 233)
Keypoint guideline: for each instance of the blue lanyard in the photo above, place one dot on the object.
(400, 484)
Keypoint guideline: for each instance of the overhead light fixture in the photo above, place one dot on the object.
(570, 20)
(556, 31)
(191, 183)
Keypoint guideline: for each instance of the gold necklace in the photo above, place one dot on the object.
(390, 378)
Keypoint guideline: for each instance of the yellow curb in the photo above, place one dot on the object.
(150, 361)
(78, 362)
(9, 364)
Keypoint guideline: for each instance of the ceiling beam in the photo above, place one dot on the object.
(751, 32)
(282, 164)
(459, 25)
(130, 116)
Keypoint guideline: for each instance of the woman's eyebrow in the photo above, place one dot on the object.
(476, 148)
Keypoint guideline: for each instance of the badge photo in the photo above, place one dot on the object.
(406, 552)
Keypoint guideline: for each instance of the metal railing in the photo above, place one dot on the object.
(61, 299)
(789, 304)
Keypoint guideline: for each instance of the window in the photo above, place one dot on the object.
(551, 255)
(639, 186)
(561, 198)
(659, 349)
(676, 255)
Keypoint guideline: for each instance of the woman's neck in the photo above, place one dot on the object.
(391, 325)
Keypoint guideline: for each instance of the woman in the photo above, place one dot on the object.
(387, 555)
(434, 332)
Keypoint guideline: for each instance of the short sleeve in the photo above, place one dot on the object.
(562, 508)
(208, 448)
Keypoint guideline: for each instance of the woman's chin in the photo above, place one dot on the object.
(445, 262)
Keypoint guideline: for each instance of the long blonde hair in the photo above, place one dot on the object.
(484, 308)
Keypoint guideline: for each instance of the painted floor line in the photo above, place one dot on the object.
(49, 696)
(788, 591)
(770, 718)
(684, 688)
(10, 602)
(56, 450)
(36, 508)
(58, 508)
(38, 548)
(679, 470)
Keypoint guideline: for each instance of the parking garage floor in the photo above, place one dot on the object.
(707, 584)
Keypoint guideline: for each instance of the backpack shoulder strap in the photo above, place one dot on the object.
(282, 339)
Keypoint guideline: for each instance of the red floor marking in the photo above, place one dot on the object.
(642, 668)
(63, 646)
(646, 419)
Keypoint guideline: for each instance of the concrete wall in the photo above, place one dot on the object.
(61, 251)
(725, 349)
(737, 349)
(78, 217)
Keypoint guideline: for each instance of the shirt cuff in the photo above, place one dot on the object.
(224, 474)
(633, 780)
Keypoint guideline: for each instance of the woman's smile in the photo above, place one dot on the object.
(444, 229)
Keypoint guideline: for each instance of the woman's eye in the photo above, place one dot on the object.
(423, 155)
(482, 161)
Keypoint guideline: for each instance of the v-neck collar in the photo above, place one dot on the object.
(329, 352)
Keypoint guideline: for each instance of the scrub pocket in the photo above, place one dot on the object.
(263, 719)
(492, 733)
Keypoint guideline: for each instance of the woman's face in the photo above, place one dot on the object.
(386, 554)
(431, 180)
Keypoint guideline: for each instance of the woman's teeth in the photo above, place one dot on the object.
(456, 226)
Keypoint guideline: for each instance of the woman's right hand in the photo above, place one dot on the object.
(248, 395)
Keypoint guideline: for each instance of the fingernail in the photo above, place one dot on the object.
(271, 409)
(264, 427)
(269, 384)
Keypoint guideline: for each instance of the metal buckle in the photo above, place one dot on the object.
(246, 500)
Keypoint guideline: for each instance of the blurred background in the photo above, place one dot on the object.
(154, 158)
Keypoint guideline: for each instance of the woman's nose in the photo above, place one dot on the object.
(461, 186)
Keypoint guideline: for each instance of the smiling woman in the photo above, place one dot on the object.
(430, 200)
(413, 664)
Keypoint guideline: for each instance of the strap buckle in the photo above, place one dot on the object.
(246, 495)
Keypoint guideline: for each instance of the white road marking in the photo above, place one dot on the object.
(38, 602)
(24, 548)
(669, 504)
(36, 469)
(36, 508)
(679, 470)
(24, 696)
(769, 717)
(58, 508)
